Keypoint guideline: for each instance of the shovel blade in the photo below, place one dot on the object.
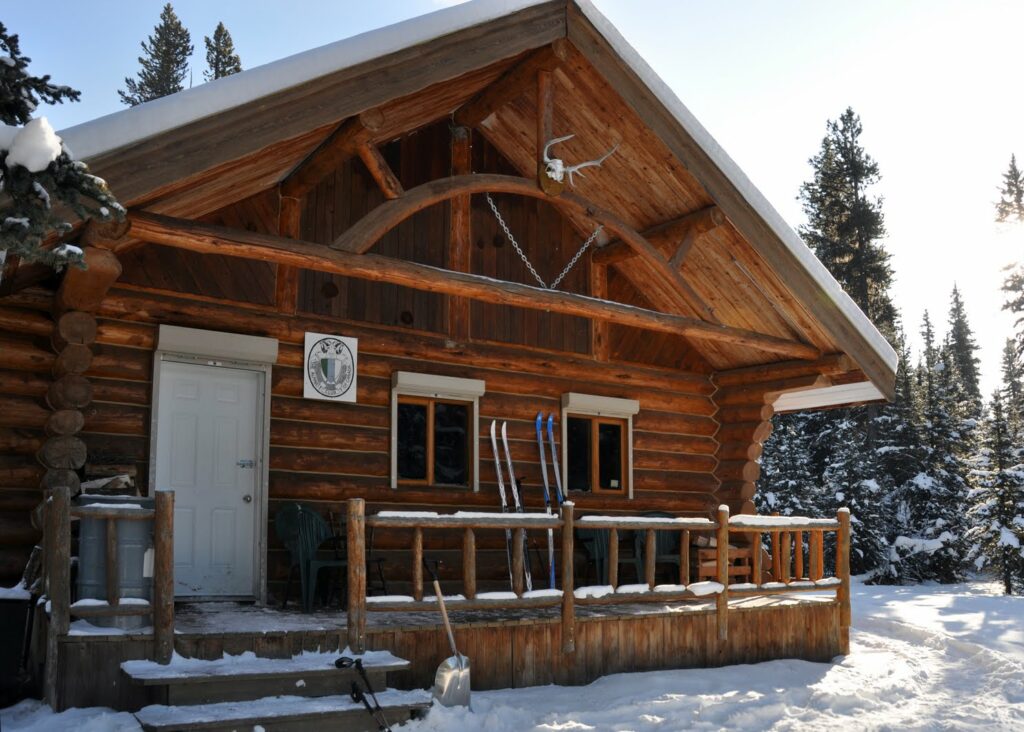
(451, 682)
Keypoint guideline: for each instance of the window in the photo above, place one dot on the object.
(434, 423)
(597, 443)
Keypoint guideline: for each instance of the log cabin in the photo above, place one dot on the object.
(339, 269)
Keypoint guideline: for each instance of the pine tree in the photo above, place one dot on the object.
(36, 170)
(1011, 196)
(220, 55)
(788, 485)
(997, 511)
(164, 61)
(960, 341)
(1013, 387)
(20, 92)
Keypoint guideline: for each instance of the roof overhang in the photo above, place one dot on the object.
(828, 396)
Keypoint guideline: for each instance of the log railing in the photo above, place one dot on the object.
(57, 543)
(566, 595)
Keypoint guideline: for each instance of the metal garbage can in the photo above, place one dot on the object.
(134, 558)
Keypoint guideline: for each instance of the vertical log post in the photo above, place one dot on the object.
(460, 237)
(163, 576)
(356, 534)
(798, 558)
(684, 557)
(776, 556)
(613, 557)
(755, 559)
(112, 567)
(469, 564)
(568, 588)
(722, 561)
(817, 555)
(417, 563)
(843, 573)
(58, 571)
(787, 558)
(650, 557)
(518, 560)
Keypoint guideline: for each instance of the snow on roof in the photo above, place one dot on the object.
(132, 125)
(119, 129)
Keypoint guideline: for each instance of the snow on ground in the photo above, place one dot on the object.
(922, 658)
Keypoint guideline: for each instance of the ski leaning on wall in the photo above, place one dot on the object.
(518, 503)
(504, 498)
(547, 499)
(559, 493)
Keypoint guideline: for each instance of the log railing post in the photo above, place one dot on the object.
(163, 575)
(843, 573)
(817, 555)
(58, 573)
(756, 573)
(684, 558)
(518, 560)
(786, 552)
(776, 556)
(722, 557)
(650, 557)
(613, 557)
(568, 589)
(356, 536)
(798, 557)
(417, 563)
(112, 568)
(469, 564)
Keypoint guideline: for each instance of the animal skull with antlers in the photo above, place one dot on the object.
(556, 169)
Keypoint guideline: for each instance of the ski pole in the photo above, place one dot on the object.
(376, 710)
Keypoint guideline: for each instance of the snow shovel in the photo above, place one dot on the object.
(451, 682)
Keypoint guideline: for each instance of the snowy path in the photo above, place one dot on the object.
(922, 658)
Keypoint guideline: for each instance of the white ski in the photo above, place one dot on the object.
(547, 499)
(504, 498)
(518, 503)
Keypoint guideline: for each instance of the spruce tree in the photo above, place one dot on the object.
(164, 61)
(787, 483)
(960, 341)
(220, 55)
(21, 92)
(996, 537)
(1010, 206)
(1013, 387)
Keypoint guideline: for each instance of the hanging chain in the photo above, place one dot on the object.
(515, 245)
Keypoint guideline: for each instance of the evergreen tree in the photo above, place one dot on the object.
(20, 92)
(220, 55)
(164, 61)
(961, 344)
(1011, 196)
(997, 511)
(788, 485)
(1013, 387)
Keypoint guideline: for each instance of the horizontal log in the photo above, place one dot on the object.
(69, 392)
(737, 490)
(460, 605)
(24, 353)
(482, 520)
(375, 340)
(744, 432)
(829, 365)
(15, 530)
(18, 441)
(766, 391)
(745, 470)
(231, 242)
(24, 383)
(745, 413)
(19, 411)
(740, 451)
(113, 512)
(23, 320)
(110, 611)
(643, 524)
(121, 419)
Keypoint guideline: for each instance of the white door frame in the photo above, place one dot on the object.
(259, 590)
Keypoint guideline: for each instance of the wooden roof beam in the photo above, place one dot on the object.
(210, 239)
(379, 169)
(672, 238)
(512, 84)
(339, 146)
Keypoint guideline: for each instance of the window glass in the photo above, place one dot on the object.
(412, 441)
(451, 444)
(609, 460)
(578, 436)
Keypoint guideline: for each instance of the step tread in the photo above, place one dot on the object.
(248, 666)
(274, 708)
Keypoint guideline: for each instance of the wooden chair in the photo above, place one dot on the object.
(740, 566)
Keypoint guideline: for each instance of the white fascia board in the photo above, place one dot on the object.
(120, 129)
(217, 345)
(600, 405)
(828, 396)
(803, 255)
(431, 385)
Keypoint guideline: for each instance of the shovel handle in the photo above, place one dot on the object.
(444, 617)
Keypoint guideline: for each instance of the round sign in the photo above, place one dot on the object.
(331, 367)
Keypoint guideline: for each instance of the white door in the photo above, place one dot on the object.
(208, 453)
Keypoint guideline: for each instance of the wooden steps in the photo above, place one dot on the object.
(285, 713)
(237, 692)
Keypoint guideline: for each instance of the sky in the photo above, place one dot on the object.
(936, 83)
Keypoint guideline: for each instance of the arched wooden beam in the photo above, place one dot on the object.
(371, 228)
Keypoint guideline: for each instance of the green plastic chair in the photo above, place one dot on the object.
(595, 546)
(666, 546)
(305, 533)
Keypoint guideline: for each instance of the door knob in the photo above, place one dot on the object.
(247, 499)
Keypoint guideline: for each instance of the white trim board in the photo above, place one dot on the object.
(827, 396)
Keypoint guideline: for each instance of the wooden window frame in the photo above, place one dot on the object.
(414, 387)
(594, 472)
(607, 410)
(429, 403)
